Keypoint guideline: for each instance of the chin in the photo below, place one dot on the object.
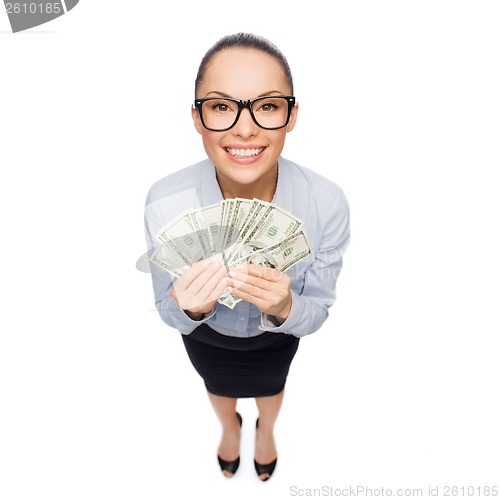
(245, 180)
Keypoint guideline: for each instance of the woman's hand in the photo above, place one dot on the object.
(268, 289)
(198, 289)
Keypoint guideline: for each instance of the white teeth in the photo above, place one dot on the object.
(244, 153)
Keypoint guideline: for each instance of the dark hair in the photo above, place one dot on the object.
(243, 41)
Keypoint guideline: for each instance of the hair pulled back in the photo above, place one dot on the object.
(243, 41)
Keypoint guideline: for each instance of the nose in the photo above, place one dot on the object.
(245, 126)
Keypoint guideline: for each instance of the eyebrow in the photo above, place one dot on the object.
(223, 94)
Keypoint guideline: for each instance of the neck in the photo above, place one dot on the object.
(263, 189)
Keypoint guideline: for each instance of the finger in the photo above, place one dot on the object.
(242, 294)
(211, 288)
(205, 282)
(249, 288)
(264, 272)
(260, 271)
(217, 291)
(256, 281)
(192, 273)
(198, 274)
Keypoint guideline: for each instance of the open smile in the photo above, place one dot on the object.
(244, 152)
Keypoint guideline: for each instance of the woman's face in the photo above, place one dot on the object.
(244, 74)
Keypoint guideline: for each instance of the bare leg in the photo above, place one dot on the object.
(265, 447)
(225, 409)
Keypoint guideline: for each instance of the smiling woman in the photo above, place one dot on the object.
(244, 109)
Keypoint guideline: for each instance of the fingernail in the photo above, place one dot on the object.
(205, 262)
(216, 265)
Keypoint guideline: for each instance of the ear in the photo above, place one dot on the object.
(293, 118)
(196, 119)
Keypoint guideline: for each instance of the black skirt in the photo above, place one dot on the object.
(238, 367)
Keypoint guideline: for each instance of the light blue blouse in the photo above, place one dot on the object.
(314, 199)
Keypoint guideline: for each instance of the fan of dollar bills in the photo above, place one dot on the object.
(233, 231)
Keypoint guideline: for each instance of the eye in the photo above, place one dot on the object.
(268, 106)
(221, 106)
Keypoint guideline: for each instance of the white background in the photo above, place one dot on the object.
(399, 104)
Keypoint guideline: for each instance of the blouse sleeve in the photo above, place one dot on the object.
(310, 307)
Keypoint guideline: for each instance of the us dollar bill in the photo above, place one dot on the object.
(253, 216)
(168, 260)
(211, 215)
(234, 223)
(228, 299)
(182, 235)
(275, 225)
(283, 255)
(200, 219)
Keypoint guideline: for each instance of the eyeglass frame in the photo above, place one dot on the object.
(242, 104)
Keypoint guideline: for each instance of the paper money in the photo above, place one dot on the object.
(234, 231)
(274, 225)
(167, 259)
(211, 216)
(182, 235)
(282, 255)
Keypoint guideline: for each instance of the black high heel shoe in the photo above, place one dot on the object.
(264, 468)
(231, 466)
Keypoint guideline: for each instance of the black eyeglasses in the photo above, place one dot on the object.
(268, 112)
